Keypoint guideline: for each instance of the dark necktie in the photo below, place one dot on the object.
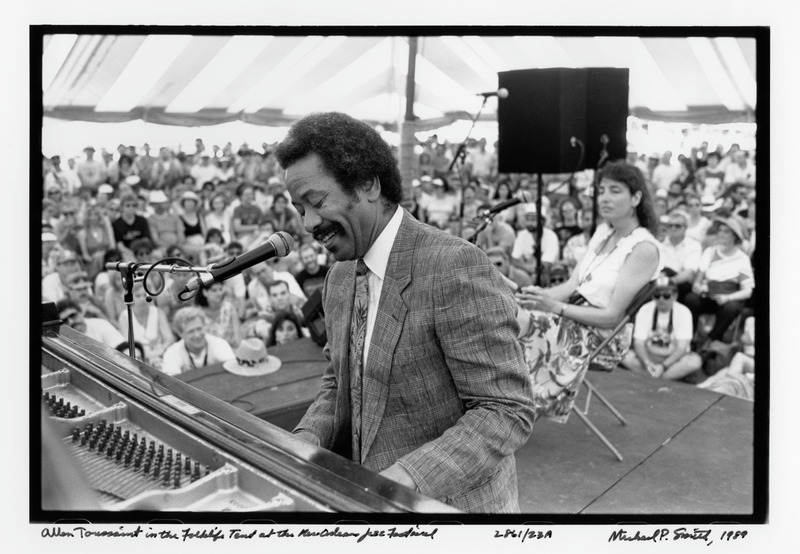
(358, 334)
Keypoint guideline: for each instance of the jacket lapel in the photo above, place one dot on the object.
(391, 315)
(339, 308)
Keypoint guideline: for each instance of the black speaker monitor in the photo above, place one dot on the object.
(314, 318)
(546, 108)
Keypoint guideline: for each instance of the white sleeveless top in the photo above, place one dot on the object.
(147, 335)
(598, 274)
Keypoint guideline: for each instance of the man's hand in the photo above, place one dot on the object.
(397, 473)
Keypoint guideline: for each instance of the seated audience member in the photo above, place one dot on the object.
(215, 236)
(724, 279)
(79, 291)
(740, 170)
(471, 202)
(285, 329)
(103, 278)
(50, 213)
(576, 246)
(96, 328)
(150, 326)
(50, 251)
(281, 300)
(266, 228)
(523, 253)
(129, 226)
(662, 336)
(312, 276)
(196, 348)
(263, 274)
(497, 233)
(561, 325)
(283, 218)
(441, 206)
(219, 216)
(697, 223)
(236, 286)
(515, 277)
(222, 319)
(569, 224)
(246, 216)
(738, 379)
(166, 227)
(675, 196)
(211, 253)
(95, 239)
(67, 228)
(194, 227)
(502, 193)
(54, 284)
(709, 178)
(142, 249)
(660, 203)
(681, 253)
(685, 179)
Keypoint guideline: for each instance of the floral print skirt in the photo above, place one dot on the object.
(557, 354)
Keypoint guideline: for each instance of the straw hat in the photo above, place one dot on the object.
(158, 197)
(189, 195)
(734, 225)
(252, 359)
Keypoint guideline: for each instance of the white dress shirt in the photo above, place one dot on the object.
(376, 259)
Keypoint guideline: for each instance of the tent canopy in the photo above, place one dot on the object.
(194, 80)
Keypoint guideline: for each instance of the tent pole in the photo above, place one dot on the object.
(408, 159)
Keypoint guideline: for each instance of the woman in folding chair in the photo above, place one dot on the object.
(560, 326)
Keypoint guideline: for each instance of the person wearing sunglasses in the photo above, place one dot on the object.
(95, 328)
(662, 336)
(681, 253)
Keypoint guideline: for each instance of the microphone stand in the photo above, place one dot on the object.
(571, 181)
(131, 273)
(595, 181)
(461, 154)
(486, 218)
(537, 251)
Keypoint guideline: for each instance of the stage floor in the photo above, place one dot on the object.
(685, 451)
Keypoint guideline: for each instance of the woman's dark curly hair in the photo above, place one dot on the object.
(351, 152)
(280, 317)
(633, 178)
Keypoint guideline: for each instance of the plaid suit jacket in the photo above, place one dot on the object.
(446, 392)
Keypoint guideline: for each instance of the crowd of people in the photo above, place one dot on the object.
(213, 203)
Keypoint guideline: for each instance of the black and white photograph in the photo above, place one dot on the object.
(348, 285)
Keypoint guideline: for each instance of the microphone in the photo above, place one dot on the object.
(500, 93)
(522, 197)
(278, 245)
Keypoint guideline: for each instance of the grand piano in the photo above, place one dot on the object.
(118, 436)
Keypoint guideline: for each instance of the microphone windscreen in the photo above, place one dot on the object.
(502, 93)
(283, 243)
